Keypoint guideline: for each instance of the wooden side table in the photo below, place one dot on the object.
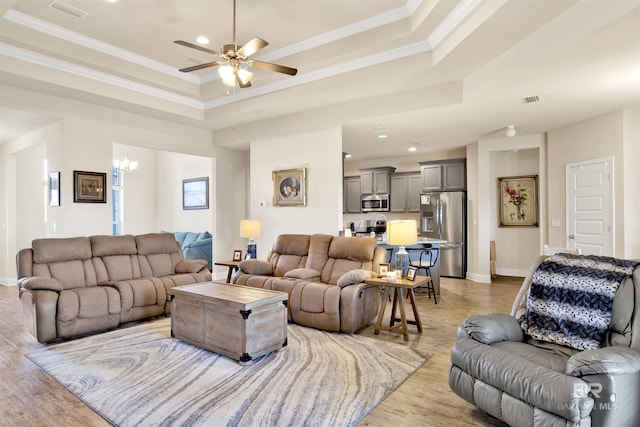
(398, 301)
(232, 265)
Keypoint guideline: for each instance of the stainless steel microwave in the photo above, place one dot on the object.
(375, 203)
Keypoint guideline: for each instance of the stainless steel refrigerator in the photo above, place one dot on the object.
(443, 216)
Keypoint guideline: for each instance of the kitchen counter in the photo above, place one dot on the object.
(415, 256)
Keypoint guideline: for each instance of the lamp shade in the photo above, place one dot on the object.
(402, 233)
(250, 228)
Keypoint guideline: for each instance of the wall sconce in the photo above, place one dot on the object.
(250, 229)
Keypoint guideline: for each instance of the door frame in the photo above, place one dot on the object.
(612, 214)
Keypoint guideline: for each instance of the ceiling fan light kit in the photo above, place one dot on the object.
(510, 131)
(233, 59)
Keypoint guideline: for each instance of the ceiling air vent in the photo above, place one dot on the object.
(67, 8)
(530, 99)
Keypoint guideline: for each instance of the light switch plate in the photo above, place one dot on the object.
(555, 223)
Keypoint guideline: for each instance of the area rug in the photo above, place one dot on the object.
(140, 376)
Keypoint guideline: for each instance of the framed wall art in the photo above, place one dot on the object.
(237, 255)
(54, 189)
(290, 187)
(518, 197)
(195, 193)
(89, 187)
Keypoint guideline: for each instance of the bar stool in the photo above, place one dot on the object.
(428, 259)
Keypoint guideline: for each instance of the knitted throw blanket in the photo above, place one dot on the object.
(571, 298)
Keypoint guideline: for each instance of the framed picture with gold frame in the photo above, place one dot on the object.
(518, 198)
(290, 187)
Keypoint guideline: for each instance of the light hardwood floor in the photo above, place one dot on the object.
(29, 397)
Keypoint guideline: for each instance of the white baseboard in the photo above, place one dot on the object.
(8, 281)
(512, 272)
(218, 276)
(480, 278)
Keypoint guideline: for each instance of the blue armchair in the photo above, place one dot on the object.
(196, 245)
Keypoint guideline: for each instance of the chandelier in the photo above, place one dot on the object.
(125, 164)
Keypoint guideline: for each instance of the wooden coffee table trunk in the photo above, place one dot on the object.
(239, 322)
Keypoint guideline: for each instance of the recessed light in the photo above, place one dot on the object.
(412, 148)
(382, 136)
(347, 156)
(202, 40)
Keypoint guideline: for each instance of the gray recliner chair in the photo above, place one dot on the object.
(497, 365)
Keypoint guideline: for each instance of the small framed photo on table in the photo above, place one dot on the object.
(237, 255)
(411, 273)
(247, 255)
(383, 269)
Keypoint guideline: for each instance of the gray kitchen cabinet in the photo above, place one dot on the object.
(413, 194)
(454, 176)
(431, 177)
(405, 192)
(351, 202)
(447, 175)
(375, 181)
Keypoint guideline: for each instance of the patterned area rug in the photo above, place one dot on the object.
(140, 376)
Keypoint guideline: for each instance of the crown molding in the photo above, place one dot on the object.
(454, 19)
(93, 44)
(90, 73)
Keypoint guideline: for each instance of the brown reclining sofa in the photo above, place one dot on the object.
(323, 276)
(73, 286)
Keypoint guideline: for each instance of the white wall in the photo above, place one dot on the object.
(482, 211)
(604, 136)
(139, 189)
(172, 169)
(321, 153)
(231, 201)
(516, 247)
(631, 186)
(23, 207)
(30, 224)
(83, 140)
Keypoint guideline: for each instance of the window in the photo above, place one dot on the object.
(117, 197)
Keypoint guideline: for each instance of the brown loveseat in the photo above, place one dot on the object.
(72, 286)
(323, 276)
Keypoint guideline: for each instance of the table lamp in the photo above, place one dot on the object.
(401, 233)
(250, 229)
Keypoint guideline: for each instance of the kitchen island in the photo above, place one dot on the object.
(415, 256)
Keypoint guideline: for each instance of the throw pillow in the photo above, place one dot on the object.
(190, 266)
(355, 276)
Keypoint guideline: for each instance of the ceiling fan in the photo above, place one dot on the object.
(233, 57)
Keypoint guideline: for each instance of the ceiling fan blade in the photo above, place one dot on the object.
(199, 67)
(195, 46)
(252, 46)
(273, 67)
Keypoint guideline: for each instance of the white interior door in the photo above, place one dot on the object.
(590, 207)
